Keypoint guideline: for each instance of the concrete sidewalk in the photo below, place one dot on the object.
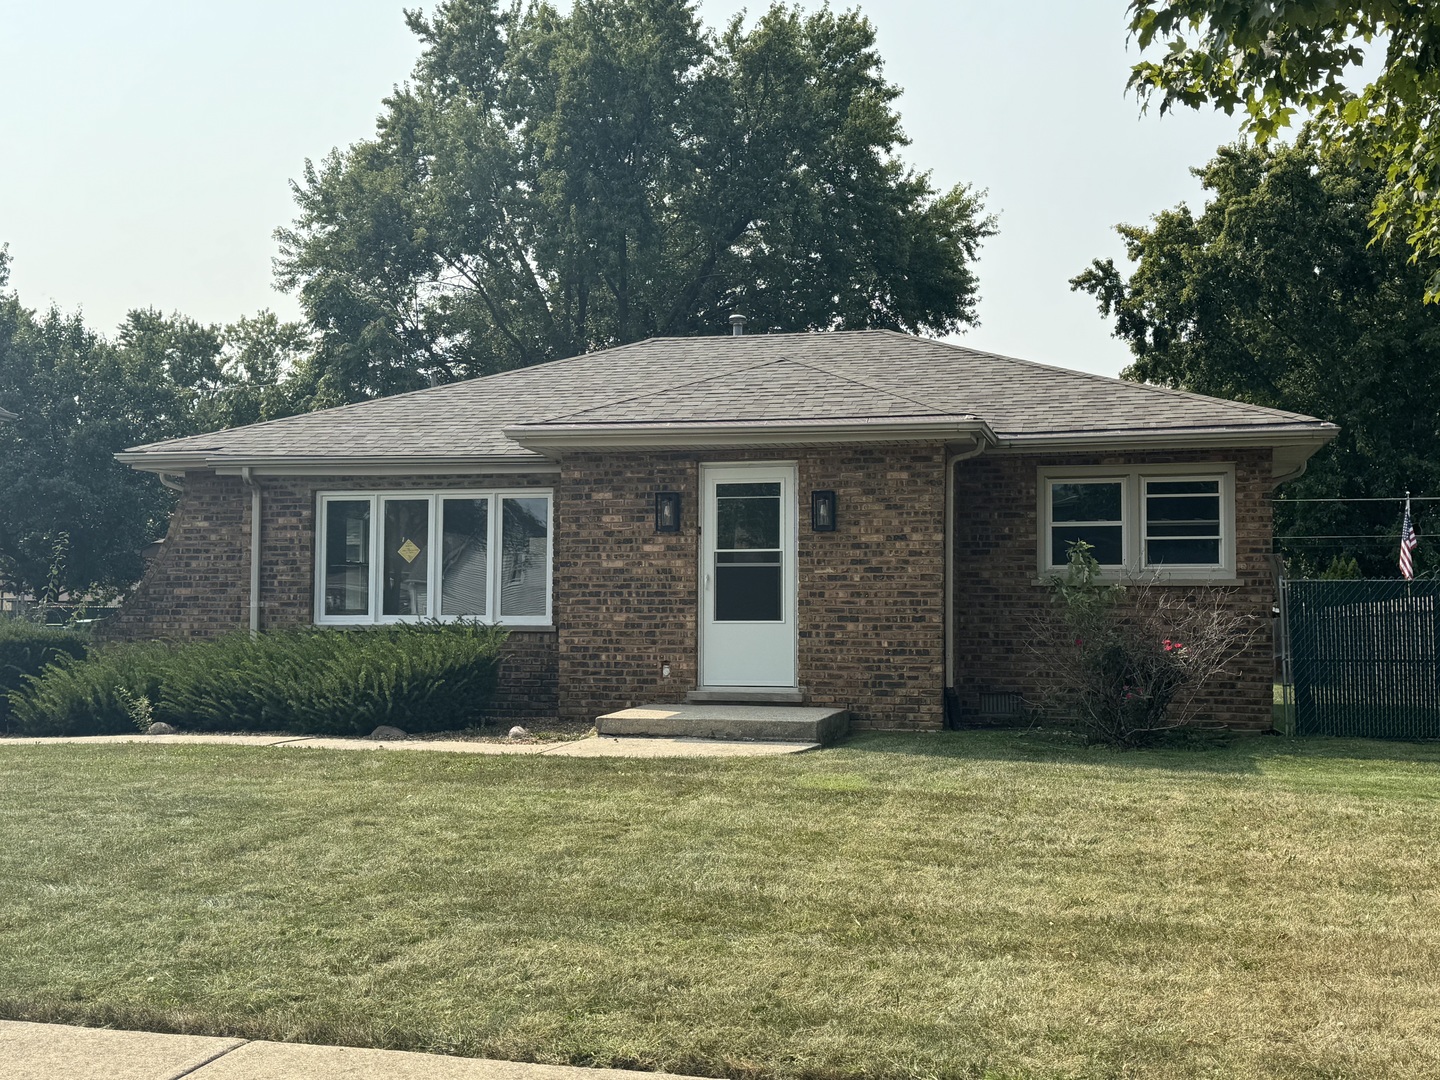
(594, 746)
(60, 1052)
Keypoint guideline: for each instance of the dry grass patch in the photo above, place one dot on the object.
(965, 905)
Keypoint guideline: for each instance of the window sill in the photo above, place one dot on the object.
(522, 628)
(1224, 580)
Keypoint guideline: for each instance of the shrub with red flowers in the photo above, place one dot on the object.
(1133, 660)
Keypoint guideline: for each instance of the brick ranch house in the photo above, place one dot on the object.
(857, 519)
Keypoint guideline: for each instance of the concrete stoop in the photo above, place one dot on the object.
(781, 723)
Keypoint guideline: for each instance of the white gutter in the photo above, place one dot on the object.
(1316, 434)
(965, 455)
(544, 438)
(254, 550)
(739, 434)
(338, 464)
(1293, 474)
(447, 467)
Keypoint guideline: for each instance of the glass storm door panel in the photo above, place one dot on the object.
(748, 576)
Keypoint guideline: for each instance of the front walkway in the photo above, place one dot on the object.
(60, 1052)
(594, 746)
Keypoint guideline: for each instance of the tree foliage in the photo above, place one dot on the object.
(1273, 295)
(550, 183)
(71, 517)
(1270, 60)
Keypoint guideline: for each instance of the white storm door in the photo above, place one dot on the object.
(747, 576)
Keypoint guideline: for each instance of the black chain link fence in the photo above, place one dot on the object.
(1365, 658)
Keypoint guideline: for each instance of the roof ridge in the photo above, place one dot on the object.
(661, 390)
(871, 386)
(558, 361)
(349, 405)
(1090, 375)
(932, 408)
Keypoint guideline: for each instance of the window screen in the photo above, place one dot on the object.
(1182, 522)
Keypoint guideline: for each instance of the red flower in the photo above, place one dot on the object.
(1078, 642)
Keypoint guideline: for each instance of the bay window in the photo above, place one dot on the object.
(407, 556)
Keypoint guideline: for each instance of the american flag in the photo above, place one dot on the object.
(1408, 542)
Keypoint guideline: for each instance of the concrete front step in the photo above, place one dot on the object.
(746, 695)
(788, 723)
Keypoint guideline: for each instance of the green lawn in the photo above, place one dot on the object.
(964, 905)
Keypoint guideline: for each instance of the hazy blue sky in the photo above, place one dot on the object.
(146, 147)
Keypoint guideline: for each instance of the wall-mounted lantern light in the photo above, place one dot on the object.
(822, 511)
(667, 511)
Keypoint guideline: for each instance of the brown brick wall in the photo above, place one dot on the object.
(198, 586)
(998, 597)
(871, 633)
(198, 583)
(870, 594)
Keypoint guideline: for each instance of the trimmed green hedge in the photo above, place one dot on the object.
(305, 681)
(26, 648)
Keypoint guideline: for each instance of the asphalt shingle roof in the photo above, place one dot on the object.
(755, 379)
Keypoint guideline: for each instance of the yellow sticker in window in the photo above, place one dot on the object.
(408, 551)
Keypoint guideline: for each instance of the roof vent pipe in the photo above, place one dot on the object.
(737, 324)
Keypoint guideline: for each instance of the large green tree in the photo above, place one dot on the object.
(254, 369)
(552, 182)
(1274, 295)
(71, 517)
(1273, 59)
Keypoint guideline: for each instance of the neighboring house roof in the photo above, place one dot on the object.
(6, 414)
(783, 389)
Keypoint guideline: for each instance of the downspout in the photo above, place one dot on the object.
(254, 549)
(974, 451)
(173, 481)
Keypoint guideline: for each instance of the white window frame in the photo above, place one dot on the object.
(1047, 486)
(1135, 480)
(1227, 526)
(434, 589)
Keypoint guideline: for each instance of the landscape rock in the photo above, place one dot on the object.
(161, 728)
(518, 732)
(384, 731)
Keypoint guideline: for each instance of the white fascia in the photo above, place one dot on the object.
(552, 438)
(329, 465)
(1291, 447)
